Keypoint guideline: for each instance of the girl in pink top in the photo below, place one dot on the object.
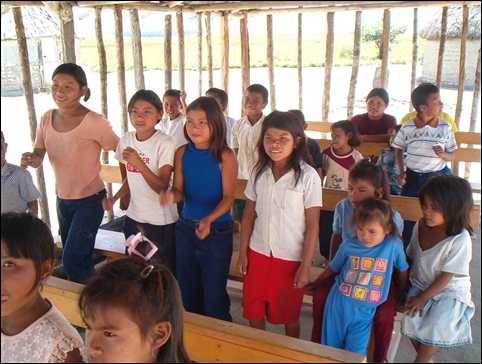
(73, 136)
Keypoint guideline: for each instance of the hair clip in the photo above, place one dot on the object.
(140, 245)
(146, 271)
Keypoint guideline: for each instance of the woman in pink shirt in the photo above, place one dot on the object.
(73, 136)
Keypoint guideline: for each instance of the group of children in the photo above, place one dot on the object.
(180, 171)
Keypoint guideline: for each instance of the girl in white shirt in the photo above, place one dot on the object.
(439, 305)
(280, 225)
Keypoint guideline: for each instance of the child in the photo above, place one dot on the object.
(363, 269)
(366, 180)
(73, 137)
(429, 141)
(33, 330)
(375, 125)
(312, 145)
(439, 307)
(133, 313)
(172, 123)
(386, 159)
(443, 116)
(221, 98)
(280, 225)
(338, 159)
(146, 156)
(19, 194)
(205, 177)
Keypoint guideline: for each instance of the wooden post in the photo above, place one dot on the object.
(328, 65)
(209, 49)
(180, 39)
(414, 53)
(441, 46)
(225, 52)
(121, 76)
(461, 81)
(67, 34)
(269, 56)
(300, 61)
(103, 89)
(167, 52)
(355, 65)
(137, 50)
(243, 21)
(200, 53)
(385, 46)
(27, 89)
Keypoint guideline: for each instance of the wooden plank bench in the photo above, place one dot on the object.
(210, 340)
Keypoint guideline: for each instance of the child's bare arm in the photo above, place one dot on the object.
(33, 159)
(335, 242)
(247, 224)
(401, 168)
(33, 207)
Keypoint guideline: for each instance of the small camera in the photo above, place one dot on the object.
(140, 245)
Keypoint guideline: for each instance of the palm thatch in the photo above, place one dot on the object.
(454, 24)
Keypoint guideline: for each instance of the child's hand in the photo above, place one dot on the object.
(107, 203)
(302, 277)
(401, 179)
(415, 305)
(242, 263)
(27, 160)
(438, 150)
(203, 229)
(131, 156)
(312, 286)
(166, 197)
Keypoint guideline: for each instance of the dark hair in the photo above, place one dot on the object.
(373, 173)
(172, 92)
(381, 93)
(149, 96)
(260, 89)
(216, 122)
(452, 196)
(375, 209)
(26, 236)
(348, 128)
(221, 95)
(421, 93)
(149, 298)
(299, 116)
(76, 72)
(286, 121)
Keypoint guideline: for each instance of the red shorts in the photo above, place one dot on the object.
(268, 290)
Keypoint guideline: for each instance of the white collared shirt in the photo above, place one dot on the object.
(280, 224)
(174, 128)
(245, 138)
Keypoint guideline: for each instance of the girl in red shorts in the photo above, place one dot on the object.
(280, 225)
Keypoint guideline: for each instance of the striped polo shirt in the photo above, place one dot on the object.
(17, 188)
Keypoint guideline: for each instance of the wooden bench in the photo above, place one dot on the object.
(210, 340)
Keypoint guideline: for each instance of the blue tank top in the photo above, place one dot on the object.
(203, 186)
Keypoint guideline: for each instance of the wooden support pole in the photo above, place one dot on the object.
(441, 46)
(225, 52)
(385, 46)
(300, 61)
(103, 88)
(243, 21)
(199, 53)
(137, 50)
(167, 52)
(269, 56)
(67, 34)
(27, 89)
(414, 53)
(355, 65)
(461, 81)
(180, 39)
(209, 49)
(328, 66)
(121, 75)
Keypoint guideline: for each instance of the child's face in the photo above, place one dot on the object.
(144, 116)
(112, 337)
(433, 106)
(197, 127)
(359, 190)
(66, 92)
(431, 214)
(339, 139)
(278, 144)
(172, 106)
(371, 233)
(253, 104)
(221, 106)
(375, 107)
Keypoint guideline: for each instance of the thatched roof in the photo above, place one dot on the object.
(38, 22)
(454, 24)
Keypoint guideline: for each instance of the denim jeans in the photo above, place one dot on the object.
(79, 221)
(202, 268)
(415, 180)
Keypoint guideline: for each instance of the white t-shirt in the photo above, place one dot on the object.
(280, 224)
(418, 143)
(245, 138)
(229, 130)
(156, 152)
(452, 255)
(174, 128)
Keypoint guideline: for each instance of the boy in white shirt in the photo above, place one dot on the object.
(173, 121)
(221, 98)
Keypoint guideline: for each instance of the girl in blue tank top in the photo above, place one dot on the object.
(205, 173)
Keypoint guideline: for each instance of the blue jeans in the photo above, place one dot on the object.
(202, 268)
(415, 180)
(79, 221)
